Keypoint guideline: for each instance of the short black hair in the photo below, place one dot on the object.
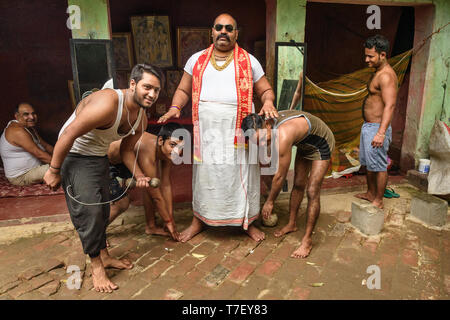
(16, 108)
(140, 68)
(379, 42)
(252, 121)
(166, 130)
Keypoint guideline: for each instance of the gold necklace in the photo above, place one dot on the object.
(227, 62)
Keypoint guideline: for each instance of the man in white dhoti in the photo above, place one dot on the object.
(221, 80)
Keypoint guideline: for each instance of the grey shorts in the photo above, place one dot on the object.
(375, 159)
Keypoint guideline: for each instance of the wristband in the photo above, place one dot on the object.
(381, 135)
(53, 167)
(175, 106)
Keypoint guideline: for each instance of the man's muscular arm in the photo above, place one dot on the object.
(388, 86)
(98, 112)
(285, 151)
(298, 92)
(166, 187)
(23, 139)
(150, 170)
(180, 98)
(265, 93)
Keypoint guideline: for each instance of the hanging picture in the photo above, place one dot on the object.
(152, 41)
(123, 52)
(173, 80)
(190, 41)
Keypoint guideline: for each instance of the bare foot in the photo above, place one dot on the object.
(100, 279)
(304, 249)
(110, 262)
(254, 233)
(378, 204)
(156, 231)
(364, 196)
(286, 229)
(195, 228)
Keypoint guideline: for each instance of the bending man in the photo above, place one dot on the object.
(155, 158)
(315, 143)
(80, 161)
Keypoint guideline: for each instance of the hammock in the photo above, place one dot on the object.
(338, 103)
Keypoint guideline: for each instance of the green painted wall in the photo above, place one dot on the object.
(437, 74)
(94, 19)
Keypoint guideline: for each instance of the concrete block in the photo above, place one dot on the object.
(429, 209)
(367, 218)
(418, 179)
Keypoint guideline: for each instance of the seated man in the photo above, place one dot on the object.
(24, 153)
(155, 159)
(315, 143)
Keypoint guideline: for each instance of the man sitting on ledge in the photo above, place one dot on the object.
(24, 153)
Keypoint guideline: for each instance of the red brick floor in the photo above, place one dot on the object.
(224, 263)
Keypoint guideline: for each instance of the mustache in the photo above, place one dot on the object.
(223, 36)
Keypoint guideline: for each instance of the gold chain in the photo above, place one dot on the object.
(227, 62)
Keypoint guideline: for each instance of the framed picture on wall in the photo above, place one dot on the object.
(152, 41)
(173, 80)
(190, 41)
(123, 51)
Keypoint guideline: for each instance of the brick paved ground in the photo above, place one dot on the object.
(223, 263)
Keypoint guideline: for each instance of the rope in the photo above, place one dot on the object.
(413, 52)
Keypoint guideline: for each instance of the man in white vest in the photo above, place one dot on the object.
(24, 153)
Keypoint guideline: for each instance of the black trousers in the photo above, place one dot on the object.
(86, 178)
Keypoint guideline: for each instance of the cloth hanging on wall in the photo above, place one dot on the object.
(338, 103)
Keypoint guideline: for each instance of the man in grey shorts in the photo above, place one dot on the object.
(378, 109)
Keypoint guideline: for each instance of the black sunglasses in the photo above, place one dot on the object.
(228, 27)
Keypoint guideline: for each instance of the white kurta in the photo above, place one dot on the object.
(226, 188)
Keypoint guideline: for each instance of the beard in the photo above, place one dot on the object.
(140, 102)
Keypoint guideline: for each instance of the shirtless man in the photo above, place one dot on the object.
(155, 159)
(378, 109)
(315, 143)
(80, 163)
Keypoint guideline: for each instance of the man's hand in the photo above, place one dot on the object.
(268, 110)
(172, 113)
(142, 182)
(52, 179)
(267, 209)
(378, 140)
(173, 230)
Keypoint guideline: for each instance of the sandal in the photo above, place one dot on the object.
(390, 193)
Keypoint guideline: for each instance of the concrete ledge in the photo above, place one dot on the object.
(367, 218)
(429, 209)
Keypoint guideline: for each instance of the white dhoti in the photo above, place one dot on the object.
(225, 186)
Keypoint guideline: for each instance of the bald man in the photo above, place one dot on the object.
(24, 153)
(221, 80)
